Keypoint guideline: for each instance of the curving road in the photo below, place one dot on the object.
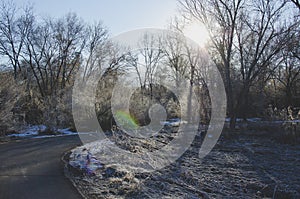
(33, 169)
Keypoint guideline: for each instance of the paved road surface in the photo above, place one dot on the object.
(33, 169)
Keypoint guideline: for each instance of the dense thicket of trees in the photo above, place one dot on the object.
(44, 54)
(254, 44)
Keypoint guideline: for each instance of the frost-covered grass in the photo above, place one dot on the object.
(245, 166)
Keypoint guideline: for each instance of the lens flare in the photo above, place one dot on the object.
(126, 120)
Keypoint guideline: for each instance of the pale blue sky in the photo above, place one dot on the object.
(117, 15)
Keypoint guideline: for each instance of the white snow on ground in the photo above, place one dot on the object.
(292, 121)
(257, 119)
(33, 131)
(66, 131)
(228, 119)
(174, 122)
(58, 135)
(29, 131)
(83, 159)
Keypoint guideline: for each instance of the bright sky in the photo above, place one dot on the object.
(118, 15)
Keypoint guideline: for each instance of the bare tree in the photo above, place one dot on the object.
(38, 55)
(53, 49)
(96, 49)
(147, 60)
(246, 40)
(174, 46)
(288, 72)
(260, 37)
(220, 18)
(70, 38)
(297, 3)
(14, 27)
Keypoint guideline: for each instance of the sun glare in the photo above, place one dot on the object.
(198, 33)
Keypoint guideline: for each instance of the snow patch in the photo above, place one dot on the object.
(83, 159)
(33, 131)
(29, 131)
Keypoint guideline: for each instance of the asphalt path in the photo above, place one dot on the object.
(32, 168)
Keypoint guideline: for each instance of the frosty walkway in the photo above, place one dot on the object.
(33, 169)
